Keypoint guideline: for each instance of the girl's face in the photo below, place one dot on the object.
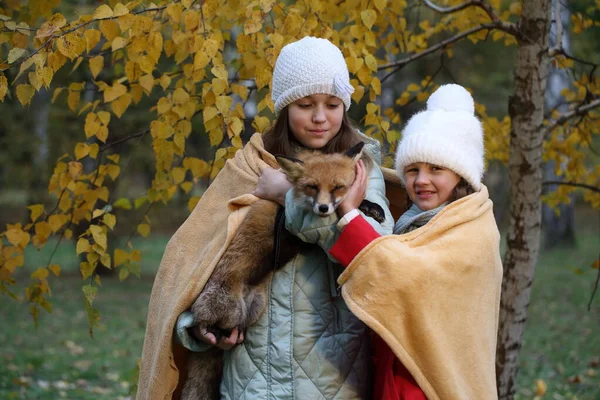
(428, 185)
(315, 120)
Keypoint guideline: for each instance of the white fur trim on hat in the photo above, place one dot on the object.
(447, 134)
(310, 66)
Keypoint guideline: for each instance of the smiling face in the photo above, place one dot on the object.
(315, 120)
(428, 185)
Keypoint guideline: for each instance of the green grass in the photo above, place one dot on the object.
(562, 343)
(60, 360)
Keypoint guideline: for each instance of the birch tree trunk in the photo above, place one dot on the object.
(558, 229)
(526, 109)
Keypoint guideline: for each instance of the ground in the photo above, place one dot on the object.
(560, 355)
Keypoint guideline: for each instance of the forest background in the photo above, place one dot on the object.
(115, 117)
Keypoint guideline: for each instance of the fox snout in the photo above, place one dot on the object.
(323, 210)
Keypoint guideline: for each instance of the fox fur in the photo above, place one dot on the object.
(235, 294)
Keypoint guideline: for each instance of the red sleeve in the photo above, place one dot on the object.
(355, 237)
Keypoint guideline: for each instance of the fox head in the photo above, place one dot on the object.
(322, 180)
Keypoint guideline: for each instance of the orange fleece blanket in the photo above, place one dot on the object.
(433, 295)
(189, 260)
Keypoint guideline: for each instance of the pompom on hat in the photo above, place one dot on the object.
(310, 66)
(446, 134)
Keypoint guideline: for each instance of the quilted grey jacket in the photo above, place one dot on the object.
(307, 345)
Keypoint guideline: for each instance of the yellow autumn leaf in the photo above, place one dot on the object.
(109, 29)
(73, 100)
(236, 126)
(199, 168)
(123, 203)
(371, 62)
(120, 10)
(252, 26)
(143, 229)
(75, 169)
(15, 53)
(92, 37)
(109, 220)
(147, 83)
(55, 268)
(223, 104)
(96, 65)
(261, 123)
(99, 235)
(24, 93)
(114, 92)
(541, 387)
(97, 213)
(380, 4)
(40, 273)
(118, 43)
(180, 96)
(36, 211)
(120, 105)
(86, 269)
(3, 87)
(49, 27)
(83, 246)
(368, 17)
(209, 113)
(81, 150)
(102, 133)
(104, 11)
(192, 202)
(71, 45)
(57, 221)
(120, 257)
(178, 175)
(104, 117)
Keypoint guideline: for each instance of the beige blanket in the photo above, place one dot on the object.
(189, 259)
(433, 295)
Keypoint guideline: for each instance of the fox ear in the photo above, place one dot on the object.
(355, 152)
(292, 167)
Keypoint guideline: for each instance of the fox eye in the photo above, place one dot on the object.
(337, 187)
(312, 187)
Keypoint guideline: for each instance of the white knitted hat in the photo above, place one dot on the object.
(446, 134)
(310, 66)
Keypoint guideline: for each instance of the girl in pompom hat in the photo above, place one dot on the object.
(431, 292)
(307, 344)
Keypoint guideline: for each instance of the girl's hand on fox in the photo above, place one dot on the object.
(272, 185)
(357, 192)
(226, 343)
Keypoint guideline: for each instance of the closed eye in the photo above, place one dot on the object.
(337, 187)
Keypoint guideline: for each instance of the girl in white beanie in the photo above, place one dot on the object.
(431, 292)
(306, 344)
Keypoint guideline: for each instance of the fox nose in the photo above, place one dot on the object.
(323, 208)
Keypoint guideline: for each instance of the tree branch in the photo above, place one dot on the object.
(575, 184)
(444, 43)
(552, 52)
(578, 111)
(489, 10)
(595, 288)
(53, 36)
(122, 140)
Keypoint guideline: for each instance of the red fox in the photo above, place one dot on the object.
(235, 294)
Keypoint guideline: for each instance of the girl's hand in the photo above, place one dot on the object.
(272, 185)
(226, 343)
(357, 192)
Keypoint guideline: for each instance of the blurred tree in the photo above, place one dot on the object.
(205, 68)
(558, 222)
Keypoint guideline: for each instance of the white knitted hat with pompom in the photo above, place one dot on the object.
(310, 66)
(446, 134)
